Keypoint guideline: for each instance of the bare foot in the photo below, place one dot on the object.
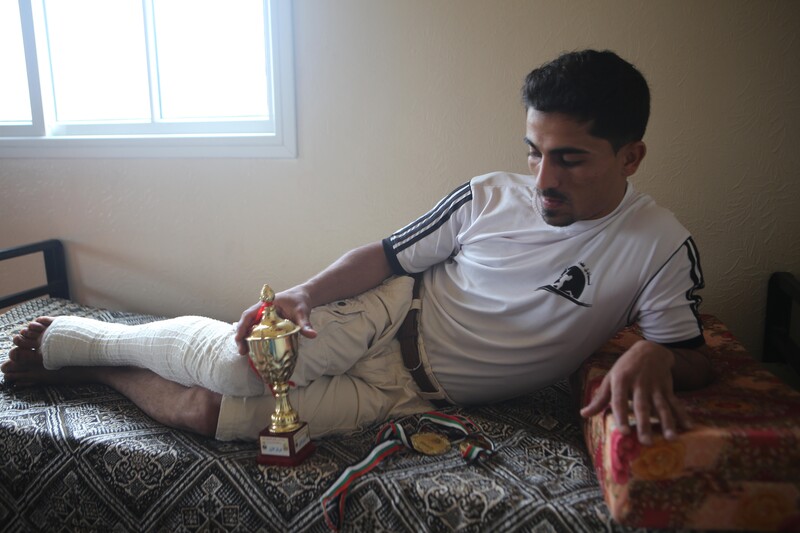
(24, 365)
(30, 337)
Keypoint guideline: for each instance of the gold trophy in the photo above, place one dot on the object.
(273, 352)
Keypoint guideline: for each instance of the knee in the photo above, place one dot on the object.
(200, 412)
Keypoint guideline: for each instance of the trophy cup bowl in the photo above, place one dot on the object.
(273, 353)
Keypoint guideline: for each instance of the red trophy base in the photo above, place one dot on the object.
(284, 449)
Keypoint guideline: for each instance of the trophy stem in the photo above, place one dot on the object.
(285, 418)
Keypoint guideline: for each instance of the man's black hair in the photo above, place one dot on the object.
(600, 88)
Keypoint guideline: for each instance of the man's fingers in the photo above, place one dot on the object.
(605, 396)
(619, 406)
(242, 330)
(682, 418)
(246, 323)
(306, 329)
(647, 409)
(249, 317)
(598, 402)
(665, 411)
(642, 410)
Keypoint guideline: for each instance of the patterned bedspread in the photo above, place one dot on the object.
(83, 458)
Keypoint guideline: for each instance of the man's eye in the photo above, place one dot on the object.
(569, 163)
(534, 155)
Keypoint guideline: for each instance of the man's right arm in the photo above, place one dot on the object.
(355, 272)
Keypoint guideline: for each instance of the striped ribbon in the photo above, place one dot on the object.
(459, 423)
(342, 485)
(392, 438)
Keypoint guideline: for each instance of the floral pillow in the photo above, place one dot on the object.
(738, 468)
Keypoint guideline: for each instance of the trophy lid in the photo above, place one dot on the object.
(271, 326)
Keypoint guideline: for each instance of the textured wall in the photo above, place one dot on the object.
(399, 102)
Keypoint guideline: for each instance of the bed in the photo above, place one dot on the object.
(84, 458)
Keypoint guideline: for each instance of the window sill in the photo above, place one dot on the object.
(151, 146)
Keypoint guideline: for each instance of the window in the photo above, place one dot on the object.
(152, 78)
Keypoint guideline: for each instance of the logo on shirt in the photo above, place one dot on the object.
(571, 284)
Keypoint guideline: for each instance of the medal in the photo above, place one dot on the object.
(430, 443)
(392, 438)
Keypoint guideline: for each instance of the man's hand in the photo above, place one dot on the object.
(644, 375)
(291, 304)
(355, 272)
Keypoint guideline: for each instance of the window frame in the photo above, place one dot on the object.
(42, 140)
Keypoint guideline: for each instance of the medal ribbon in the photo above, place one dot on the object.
(392, 438)
(342, 485)
(473, 450)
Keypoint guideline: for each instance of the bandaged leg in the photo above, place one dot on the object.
(187, 350)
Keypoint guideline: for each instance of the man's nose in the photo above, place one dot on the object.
(547, 174)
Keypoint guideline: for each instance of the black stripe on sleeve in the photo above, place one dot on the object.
(432, 220)
(696, 275)
(697, 280)
(391, 256)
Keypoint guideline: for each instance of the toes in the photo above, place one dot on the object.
(45, 320)
(31, 336)
(11, 372)
(16, 354)
(13, 354)
(18, 375)
(25, 343)
(38, 326)
(24, 357)
(33, 330)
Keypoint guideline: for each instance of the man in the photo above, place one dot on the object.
(519, 279)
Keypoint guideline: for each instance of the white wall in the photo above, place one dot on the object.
(400, 101)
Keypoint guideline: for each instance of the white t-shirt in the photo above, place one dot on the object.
(512, 304)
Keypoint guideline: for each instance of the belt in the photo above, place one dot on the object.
(408, 335)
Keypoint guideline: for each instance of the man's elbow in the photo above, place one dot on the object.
(696, 370)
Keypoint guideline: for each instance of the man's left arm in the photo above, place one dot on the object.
(643, 382)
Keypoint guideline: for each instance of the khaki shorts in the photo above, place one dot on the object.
(350, 376)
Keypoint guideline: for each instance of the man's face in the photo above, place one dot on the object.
(578, 176)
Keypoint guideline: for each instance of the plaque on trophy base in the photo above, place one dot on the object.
(284, 449)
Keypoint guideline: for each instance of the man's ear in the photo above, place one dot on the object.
(632, 155)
